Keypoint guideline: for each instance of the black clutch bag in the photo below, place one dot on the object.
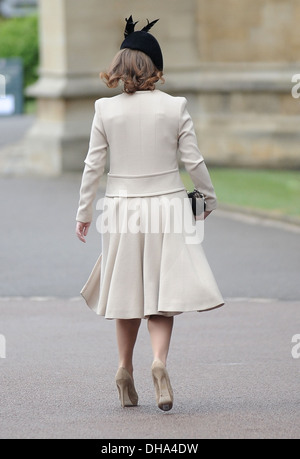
(198, 202)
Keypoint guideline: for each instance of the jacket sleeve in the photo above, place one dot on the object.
(193, 160)
(94, 168)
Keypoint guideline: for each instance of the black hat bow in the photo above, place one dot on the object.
(143, 41)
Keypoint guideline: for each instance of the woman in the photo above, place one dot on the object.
(152, 272)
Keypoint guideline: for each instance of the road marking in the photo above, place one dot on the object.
(224, 364)
(258, 220)
(40, 299)
(252, 300)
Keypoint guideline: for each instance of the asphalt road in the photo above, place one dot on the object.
(13, 128)
(232, 370)
(251, 258)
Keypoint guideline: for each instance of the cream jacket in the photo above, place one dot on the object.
(143, 133)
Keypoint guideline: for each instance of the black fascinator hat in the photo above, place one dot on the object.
(143, 41)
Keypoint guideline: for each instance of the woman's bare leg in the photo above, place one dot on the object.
(127, 331)
(160, 329)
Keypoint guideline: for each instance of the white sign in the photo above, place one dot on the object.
(7, 105)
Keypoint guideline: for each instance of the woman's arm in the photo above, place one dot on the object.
(193, 160)
(94, 168)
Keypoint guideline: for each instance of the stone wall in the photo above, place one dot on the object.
(248, 53)
(248, 31)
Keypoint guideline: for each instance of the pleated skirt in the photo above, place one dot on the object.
(152, 260)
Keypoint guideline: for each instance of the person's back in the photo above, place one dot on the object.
(142, 131)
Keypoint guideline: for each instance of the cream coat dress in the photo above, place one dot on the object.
(150, 264)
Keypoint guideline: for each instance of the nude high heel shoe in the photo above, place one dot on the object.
(127, 393)
(163, 388)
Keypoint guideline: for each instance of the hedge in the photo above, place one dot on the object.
(19, 38)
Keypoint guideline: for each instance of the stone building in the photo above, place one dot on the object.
(233, 59)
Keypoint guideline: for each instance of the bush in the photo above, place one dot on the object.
(19, 38)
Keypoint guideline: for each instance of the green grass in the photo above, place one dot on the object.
(277, 192)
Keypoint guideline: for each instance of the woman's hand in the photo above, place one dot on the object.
(82, 230)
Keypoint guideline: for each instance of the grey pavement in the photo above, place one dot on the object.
(14, 128)
(232, 373)
(232, 369)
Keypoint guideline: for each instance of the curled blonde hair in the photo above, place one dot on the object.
(135, 69)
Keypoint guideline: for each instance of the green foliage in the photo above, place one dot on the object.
(19, 38)
(275, 191)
